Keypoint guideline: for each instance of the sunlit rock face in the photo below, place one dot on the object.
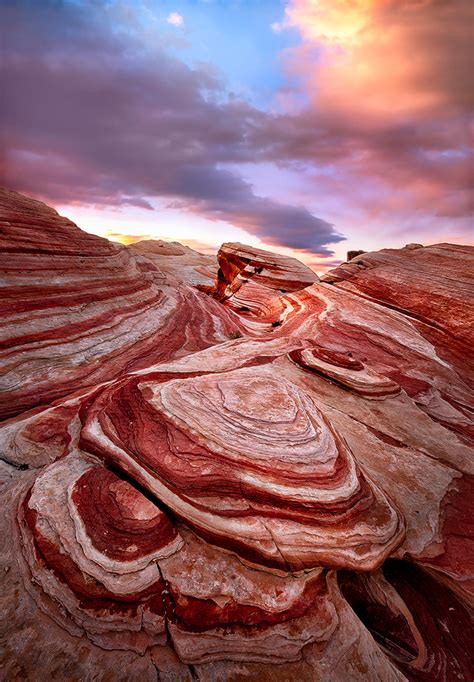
(182, 262)
(77, 309)
(251, 282)
(293, 504)
(432, 284)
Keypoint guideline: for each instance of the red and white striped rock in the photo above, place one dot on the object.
(107, 561)
(272, 270)
(77, 309)
(432, 284)
(250, 463)
(343, 369)
(179, 261)
(251, 282)
(91, 543)
(209, 509)
(279, 618)
(41, 436)
(224, 610)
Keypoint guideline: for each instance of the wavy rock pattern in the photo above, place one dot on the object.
(250, 281)
(293, 504)
(181, 262)
(119, 568)
(77, 309)
(272, 270)
(432, 284)
(250, 463)
(343, 369)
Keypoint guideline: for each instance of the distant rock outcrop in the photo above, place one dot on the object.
(180, 261)
(353, 254)
(251, 281)
(293, 504)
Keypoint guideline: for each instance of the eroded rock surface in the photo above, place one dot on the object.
(185, 264)
(77, 309)
(293, 504)
(251, 282)
(432, 284)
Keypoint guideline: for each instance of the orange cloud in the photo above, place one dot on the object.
(387, 58)
(330, 20)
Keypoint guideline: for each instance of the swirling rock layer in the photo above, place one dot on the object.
(268, 269)
(250, 463)
(432, 284)
(250, 281)
(120, 570)
(77, 309)
(343, 369)
(271, 482)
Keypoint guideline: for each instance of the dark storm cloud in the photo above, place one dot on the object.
(92, 115)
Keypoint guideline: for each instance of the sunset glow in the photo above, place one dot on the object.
(308, 126)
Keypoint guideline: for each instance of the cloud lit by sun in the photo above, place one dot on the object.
(310, 125)
(380, 58)
(175, 19)
(337, 21)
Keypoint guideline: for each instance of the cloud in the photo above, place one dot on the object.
(93, 116)
(386, 58)
(389, 86)
(175, 19)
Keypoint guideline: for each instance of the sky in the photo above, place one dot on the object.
(309, 127)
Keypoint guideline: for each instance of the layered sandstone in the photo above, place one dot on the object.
(77, 309)
(292, 504)
(180, 261)
(251, 282)
(432, 284)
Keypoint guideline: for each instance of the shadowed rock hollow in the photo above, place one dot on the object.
(292, 504)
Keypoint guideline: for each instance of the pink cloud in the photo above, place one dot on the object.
(387, 128)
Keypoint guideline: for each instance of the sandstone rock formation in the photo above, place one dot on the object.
(77, 309)
(431, 284)
(293, 504)
(181, 262)
(251, 282)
